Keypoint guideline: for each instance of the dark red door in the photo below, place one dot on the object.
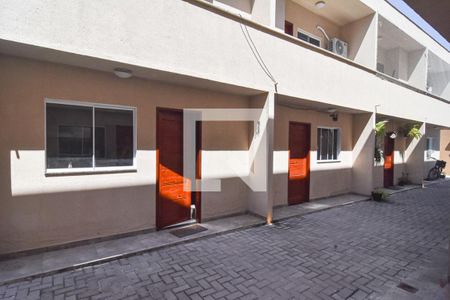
(388, 177)
(288, 28)
(173, 203)
(299, 152)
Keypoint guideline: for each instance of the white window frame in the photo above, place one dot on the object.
(311, 36)
(92, 169)
(339, 148)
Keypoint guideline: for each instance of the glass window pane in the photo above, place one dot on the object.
(113, 137)
(314, 42)
(429, 144)
(324, 144)
(319, 147)
(328, 144)
(303, 36)
(69, 136)
(336, 144)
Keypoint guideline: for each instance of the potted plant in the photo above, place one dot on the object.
(379, 195)
(414, 132)
(411, 130)
(380, 128)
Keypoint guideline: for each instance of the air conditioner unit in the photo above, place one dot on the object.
(339, 47)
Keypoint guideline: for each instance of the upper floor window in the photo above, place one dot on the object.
(328, 144)
(308, 37)
(89, 136)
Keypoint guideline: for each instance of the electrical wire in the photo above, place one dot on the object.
(256, 53)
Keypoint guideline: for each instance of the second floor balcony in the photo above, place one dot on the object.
(356, 30)
(347, 28)
(400, 56)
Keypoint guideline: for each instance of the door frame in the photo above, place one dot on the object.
(198, 146)
(198, 170)
(308, 125)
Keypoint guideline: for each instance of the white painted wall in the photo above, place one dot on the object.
(264, 12)
(260, 201)
(414, 156)
(280, 14)
(363, 153)
(361, 37)
(311, 75)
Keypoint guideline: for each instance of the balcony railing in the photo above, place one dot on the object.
(361, 38)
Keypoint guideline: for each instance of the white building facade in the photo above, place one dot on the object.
(86, 153)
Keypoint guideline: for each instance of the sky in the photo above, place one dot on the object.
(414, 17)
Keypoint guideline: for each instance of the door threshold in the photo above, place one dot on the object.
(184, 223)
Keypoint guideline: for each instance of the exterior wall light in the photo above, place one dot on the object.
(333, 114)
(392, 135)
(320, 4)
(123, 73)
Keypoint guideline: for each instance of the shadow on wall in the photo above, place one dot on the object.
(323, 183)
(40, 220)
(39, 211)
(337, 182)
(358, 34)
(60, 209)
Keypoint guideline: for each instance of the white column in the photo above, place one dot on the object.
(269, 12)
(415, 157)
(261, 202)
(363, 153)
(270, 102)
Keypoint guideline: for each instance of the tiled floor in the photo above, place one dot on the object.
(358, 251)
(97, 252)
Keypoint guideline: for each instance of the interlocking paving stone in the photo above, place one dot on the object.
(353, 252)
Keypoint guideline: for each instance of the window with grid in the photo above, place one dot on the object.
(307, 37)
(328, 144)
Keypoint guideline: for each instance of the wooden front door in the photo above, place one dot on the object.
(299, 152)
(288, 28)
(388, 176)
(173, 203)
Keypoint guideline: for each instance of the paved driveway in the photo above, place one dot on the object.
(358, 251)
